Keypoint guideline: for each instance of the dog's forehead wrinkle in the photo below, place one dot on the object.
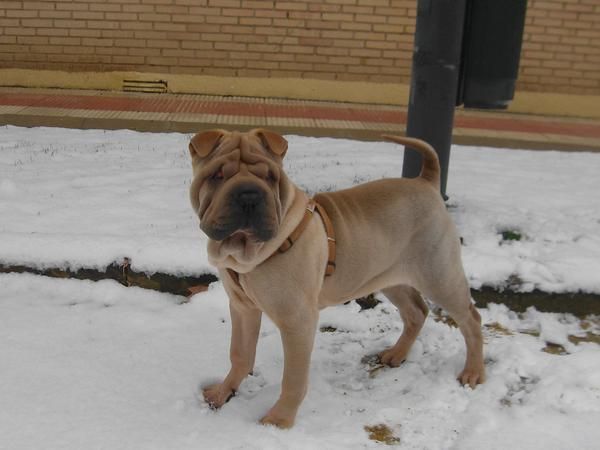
(245, 143)
(229, 143)
(251, 153)
(221, 157)
(258, 156)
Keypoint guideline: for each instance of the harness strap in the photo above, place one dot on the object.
(292, 238)
(331, 243)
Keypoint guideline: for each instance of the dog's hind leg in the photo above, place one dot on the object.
(413, 312)
(457, 302)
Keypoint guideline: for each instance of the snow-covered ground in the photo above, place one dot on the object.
(89, 198)
(97, 365)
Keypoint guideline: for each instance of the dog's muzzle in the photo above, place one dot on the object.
(248, 202)
(246, 212)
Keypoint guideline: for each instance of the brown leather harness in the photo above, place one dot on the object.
(292, 238)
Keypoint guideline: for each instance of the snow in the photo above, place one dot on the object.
(98, 365)
(73, 198)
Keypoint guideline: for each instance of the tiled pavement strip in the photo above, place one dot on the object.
(192, 113)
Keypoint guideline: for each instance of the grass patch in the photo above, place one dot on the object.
(511, 235)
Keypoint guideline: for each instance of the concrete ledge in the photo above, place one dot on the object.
(296, 88)
(543, 103)
(552, 104)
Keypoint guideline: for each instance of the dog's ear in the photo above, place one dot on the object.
(203, 144)
(272, 141)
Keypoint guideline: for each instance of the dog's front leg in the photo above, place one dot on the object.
(245, 328)
(297, 336)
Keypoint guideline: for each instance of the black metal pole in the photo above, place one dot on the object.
(434, 81)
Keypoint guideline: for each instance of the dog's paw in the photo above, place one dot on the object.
(217, 395)
(280, 415)
(277, 420)
(392, 357)
(471, 377)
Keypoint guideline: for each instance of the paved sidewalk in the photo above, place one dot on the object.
(191, 113)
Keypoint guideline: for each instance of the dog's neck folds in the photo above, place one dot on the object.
(229, 254)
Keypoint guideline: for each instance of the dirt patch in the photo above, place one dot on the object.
(382, 433)
(122, 273)
(587, 337)
(555, 349)
(581, 304)
(497, 329)
(534, 333)
(440, 316)
(368, 302)
(373, 363)
(578, 303)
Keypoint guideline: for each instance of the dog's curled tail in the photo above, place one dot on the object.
(430, 170)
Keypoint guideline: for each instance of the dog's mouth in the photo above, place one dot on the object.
(253, 235)
(243, 237)
(238, 235)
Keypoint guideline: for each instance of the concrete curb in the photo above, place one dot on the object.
(156, 126)
(190, 114)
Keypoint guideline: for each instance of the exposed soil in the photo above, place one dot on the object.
(580, 304)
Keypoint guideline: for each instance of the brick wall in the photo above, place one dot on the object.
(349, 40)
(561, 47)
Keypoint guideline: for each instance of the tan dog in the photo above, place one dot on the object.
(392, 235)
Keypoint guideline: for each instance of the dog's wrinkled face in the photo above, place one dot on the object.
(238, 185)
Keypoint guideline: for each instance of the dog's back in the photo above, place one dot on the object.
(411, 210)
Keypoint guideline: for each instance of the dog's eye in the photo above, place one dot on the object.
(271, 177)
(218, 175)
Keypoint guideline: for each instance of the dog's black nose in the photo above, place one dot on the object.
(249, 199)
